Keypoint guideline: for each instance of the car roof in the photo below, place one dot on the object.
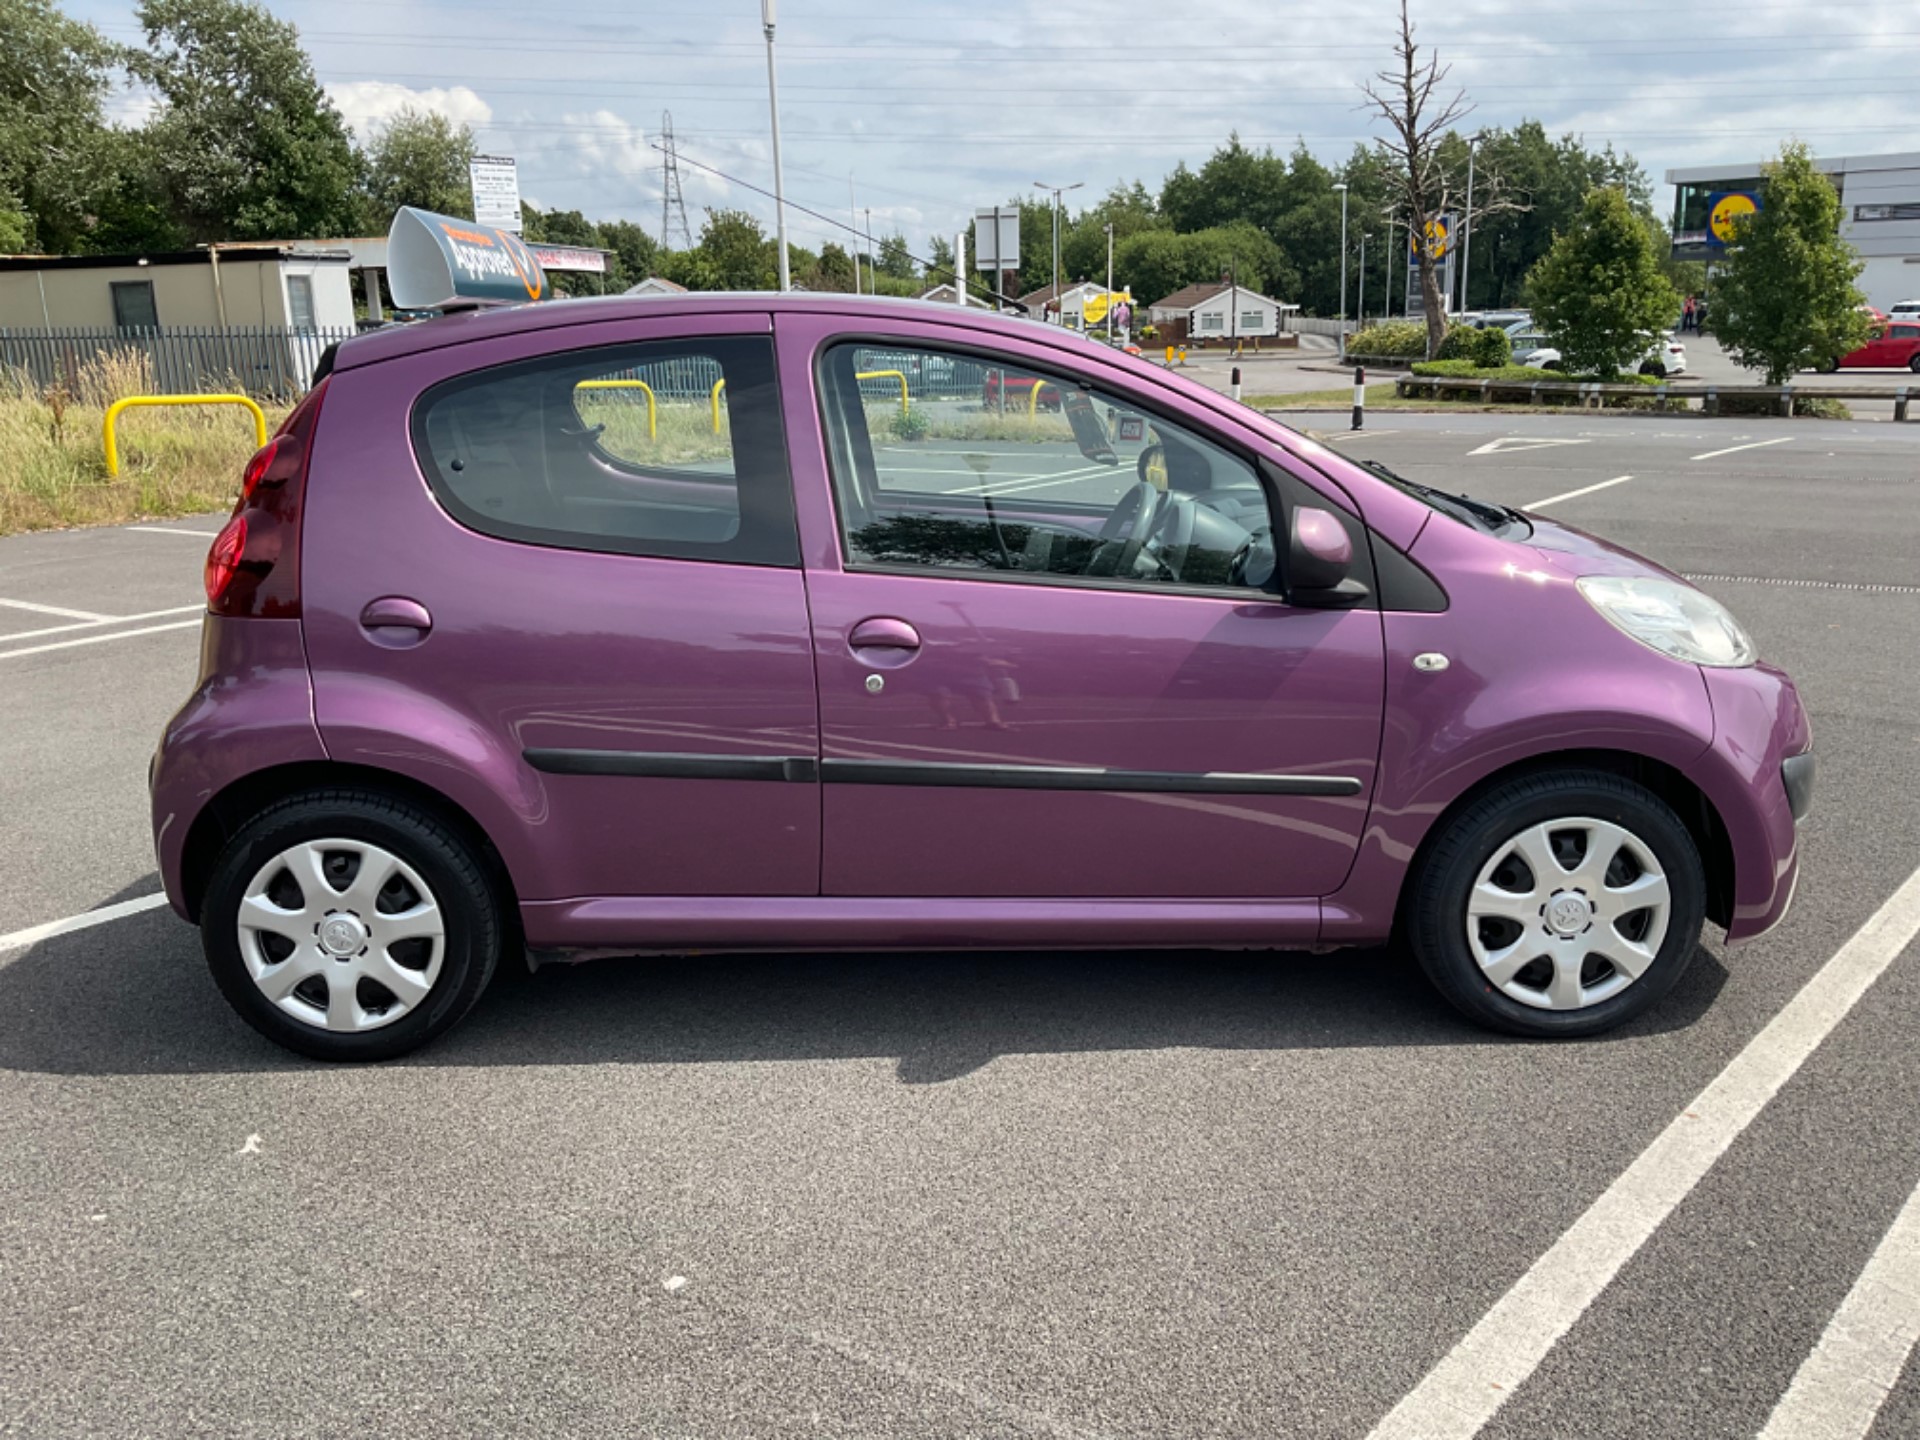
(463, 327)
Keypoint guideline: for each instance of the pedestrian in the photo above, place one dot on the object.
(1687, 316)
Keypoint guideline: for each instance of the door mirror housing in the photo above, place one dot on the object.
(1320, 561)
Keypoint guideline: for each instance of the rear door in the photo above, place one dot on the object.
(597, 522)
(1020, 695)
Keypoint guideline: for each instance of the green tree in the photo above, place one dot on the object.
(833, 271)
(1600, 293)
(245, 143)
(418, 158)
(569, 227)
(894, 259)
(1785, 299)
(634, 255)
(1155, 263)
(13, 226)
(54, 72)
(737, 253)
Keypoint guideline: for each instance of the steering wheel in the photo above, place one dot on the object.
(1132, 518)
(1172, 536)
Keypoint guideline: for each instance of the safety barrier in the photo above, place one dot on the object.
(1594, 394)
(113, 414)
(713, 396)
(1033, 399)
(653, 429)
(883, 374)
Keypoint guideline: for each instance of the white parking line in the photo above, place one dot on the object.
(1734, 449)
(54, 610)
(86, 920)
(95, 639)
(95, 624)
(1839, 1390)
(1463, 1392)
(1576, 494)
(169, 530)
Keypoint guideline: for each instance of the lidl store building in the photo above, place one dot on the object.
(1879, 215)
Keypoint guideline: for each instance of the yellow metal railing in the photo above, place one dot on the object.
(653, 429)
(1033, 398)
(714, 396)
(883, 374)
(113, 414)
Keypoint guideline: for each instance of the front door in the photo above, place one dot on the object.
(1046, 667)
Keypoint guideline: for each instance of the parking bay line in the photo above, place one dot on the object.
(96, 624)
(94, 639)
(1463, 1392)
(1576, 494)
(169, 530)
(1839, 1389)
(85, 920)
(60, 610)
(1735, 449)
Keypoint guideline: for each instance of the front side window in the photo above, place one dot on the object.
(991, 469)
(670, 448)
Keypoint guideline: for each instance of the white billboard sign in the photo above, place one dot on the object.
(496, 191)
(996, 238)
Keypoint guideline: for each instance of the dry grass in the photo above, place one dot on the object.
(684, 431)
(53, 467)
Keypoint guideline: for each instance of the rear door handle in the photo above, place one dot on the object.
(396, 612)
(883, 640)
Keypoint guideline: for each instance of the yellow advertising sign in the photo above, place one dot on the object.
(1726, 211)
(1439, 238)
(1094, 308)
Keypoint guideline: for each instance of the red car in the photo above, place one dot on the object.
(1894, 346)
(1019, 391)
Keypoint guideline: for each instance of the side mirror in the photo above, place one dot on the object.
(1319, 551)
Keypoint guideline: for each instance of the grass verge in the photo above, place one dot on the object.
(53, 467)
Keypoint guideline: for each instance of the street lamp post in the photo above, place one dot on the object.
(779, 181)
(1386, 308)
(1466, 244)
(1109, 282)
(1058, 191)
(1341, 186)
(1362, 306)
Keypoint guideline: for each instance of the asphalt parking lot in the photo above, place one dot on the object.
(1083, 1195)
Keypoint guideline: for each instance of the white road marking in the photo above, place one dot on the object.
(95, 624)
(1463, 1392)
(60, 610)
(250, 1147)
(169, 530)
(1734, 449)
(1521, 442)
(1576, 494)
(1840, 1388)
(86, 920)
(94, 639)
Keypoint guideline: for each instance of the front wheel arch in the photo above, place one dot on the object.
(1682, 796)
(223, 816)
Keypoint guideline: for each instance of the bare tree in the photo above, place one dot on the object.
(1410, 99)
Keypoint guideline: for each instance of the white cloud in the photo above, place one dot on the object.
(369, 104)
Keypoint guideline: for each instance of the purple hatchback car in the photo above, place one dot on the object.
(758, 622)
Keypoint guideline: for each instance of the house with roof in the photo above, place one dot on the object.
(656, 285)
(1218, 312)
(1064, 304)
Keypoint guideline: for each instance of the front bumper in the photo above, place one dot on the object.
(1759, 775)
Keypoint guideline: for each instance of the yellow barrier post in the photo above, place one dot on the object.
(714, 396)
(1033, 400)
(881, 375)
(113, 414)
(653, 431)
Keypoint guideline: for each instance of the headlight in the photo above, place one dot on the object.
(1674, 619)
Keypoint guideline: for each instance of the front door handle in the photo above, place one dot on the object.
(883, 641)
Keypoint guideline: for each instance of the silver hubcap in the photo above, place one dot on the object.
(1568, 913)
(341, 934)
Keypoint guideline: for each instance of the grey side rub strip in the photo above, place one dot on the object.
(805, 770)
(664, 766)
(1070, 777)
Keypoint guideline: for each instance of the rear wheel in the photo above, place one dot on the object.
(348, 925)
(1559, 905)
(1914, 363)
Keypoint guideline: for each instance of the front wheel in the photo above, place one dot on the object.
(1560, 904)
(349, 925)
(1914, 363)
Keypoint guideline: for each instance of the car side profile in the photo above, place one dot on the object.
(763, 622)
(1894, 345)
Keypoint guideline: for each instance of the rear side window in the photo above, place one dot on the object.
(670, 448)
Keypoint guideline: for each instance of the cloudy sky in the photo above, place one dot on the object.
(934, 106)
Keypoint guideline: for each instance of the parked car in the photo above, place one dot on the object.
(503, 662)
(1666, 356)
(1000, 388)
(1533, 349)
(1895, 346)
(1496, 319)
(1903, 308)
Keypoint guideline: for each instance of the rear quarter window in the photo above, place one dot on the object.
(669, 448)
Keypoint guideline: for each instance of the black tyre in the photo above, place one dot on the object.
(1558, 904)
(350, 925)
(1914, 363)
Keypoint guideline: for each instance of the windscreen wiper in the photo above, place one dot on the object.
(1484, 510)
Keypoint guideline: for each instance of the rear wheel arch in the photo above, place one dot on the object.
(1686, 799)
(223, 816)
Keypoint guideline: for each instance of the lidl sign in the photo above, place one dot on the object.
(1439, 239)
(1724, 210)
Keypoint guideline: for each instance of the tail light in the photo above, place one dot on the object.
(254, 565)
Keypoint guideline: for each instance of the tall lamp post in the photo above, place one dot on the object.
(779, 181)
(1109, 282)
(1341, 186)
(1362, 306)
(1386, 309)
(1466, 245)
(1058, 191)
